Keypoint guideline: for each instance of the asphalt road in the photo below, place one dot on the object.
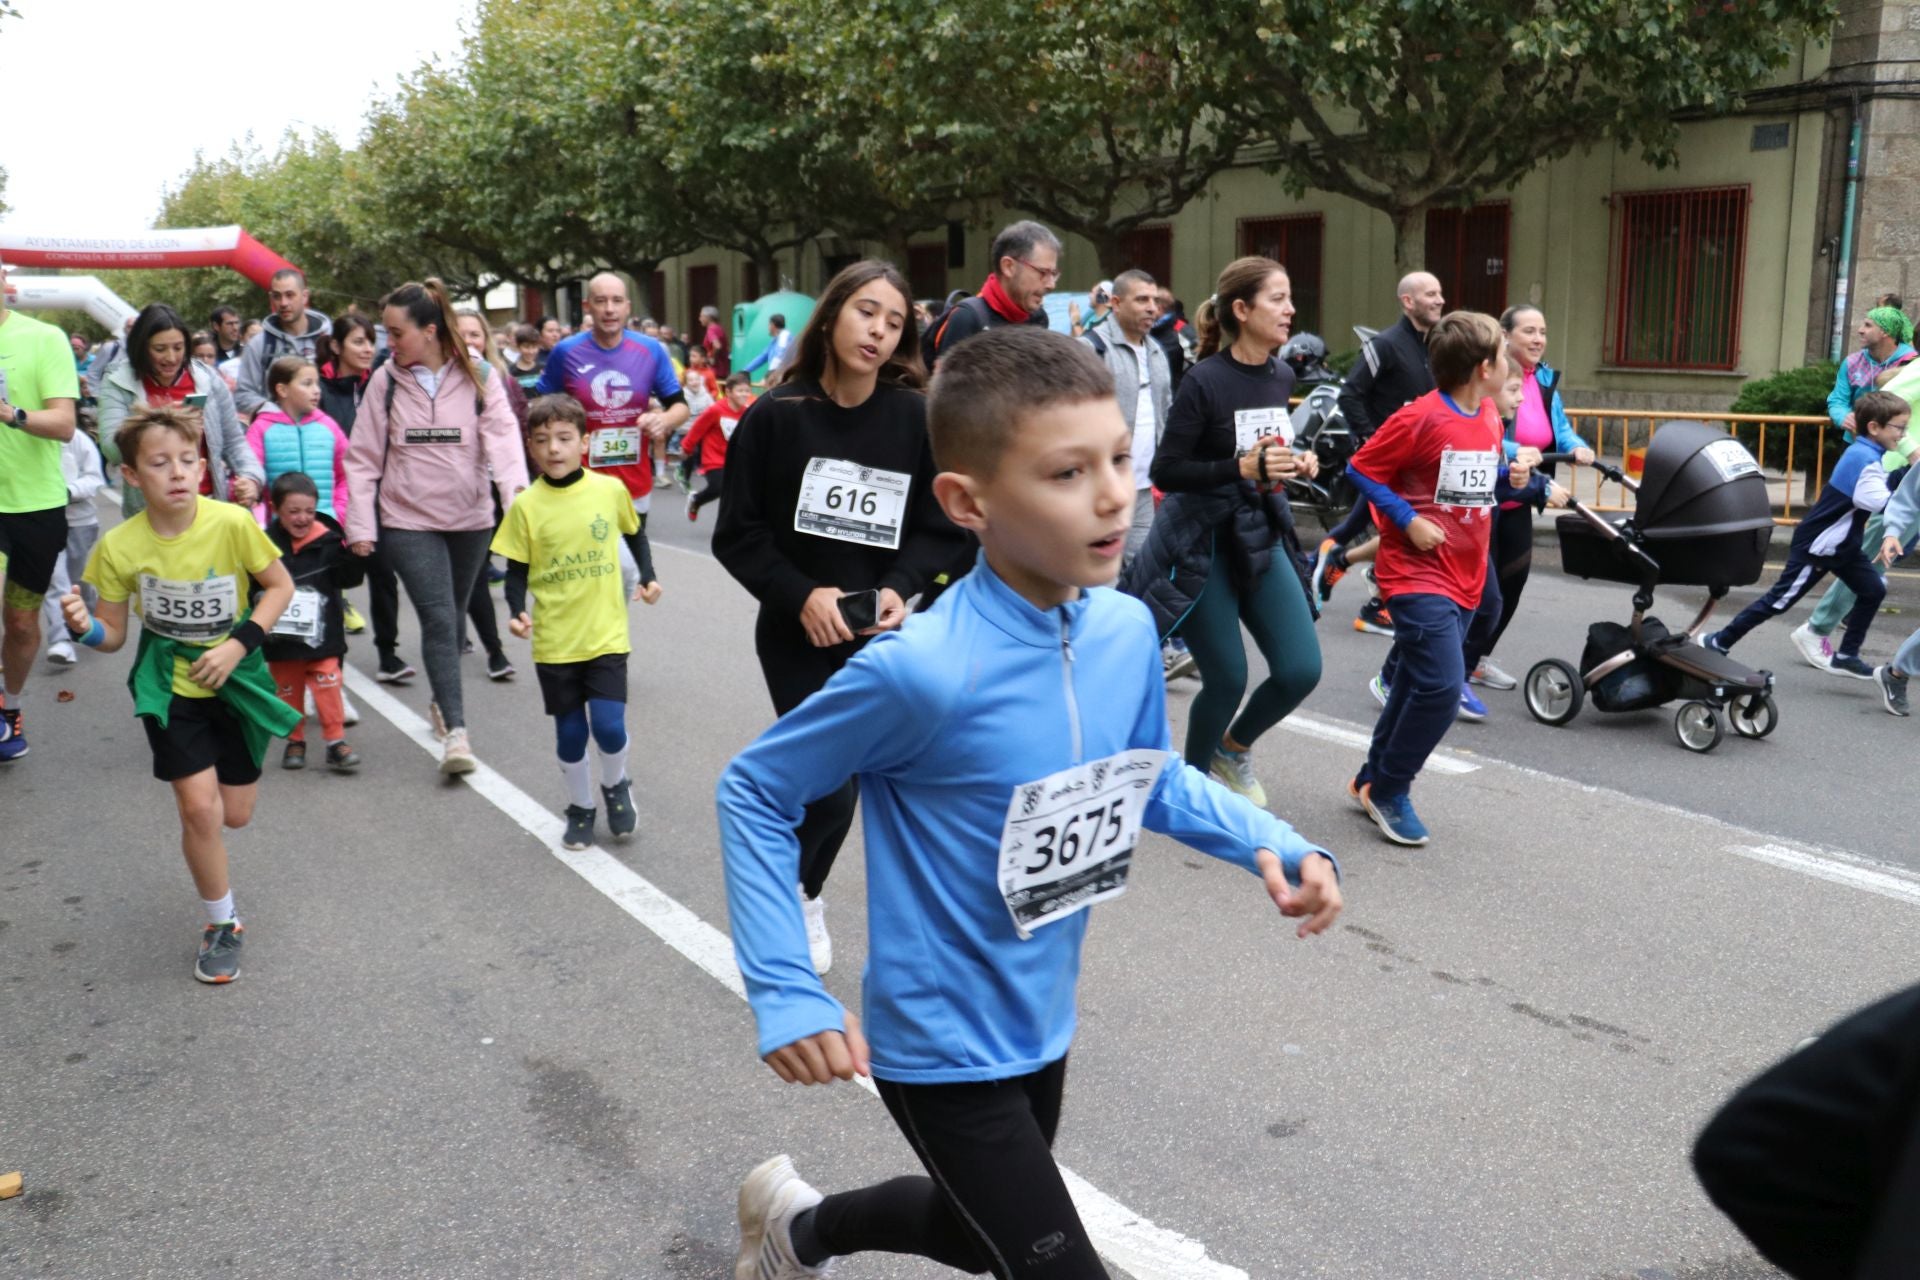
(453, 1054)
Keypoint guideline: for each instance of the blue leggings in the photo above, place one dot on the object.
(608, 720)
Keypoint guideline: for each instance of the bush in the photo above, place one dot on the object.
(1798, 392)
(1342, 363)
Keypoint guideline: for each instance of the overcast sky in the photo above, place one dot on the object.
(111, 98)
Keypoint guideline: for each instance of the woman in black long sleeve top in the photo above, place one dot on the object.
(1224, 446)
(828, 491)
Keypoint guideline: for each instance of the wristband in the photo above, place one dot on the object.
(249, 635)
(93, 637)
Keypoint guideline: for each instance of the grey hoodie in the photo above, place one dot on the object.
(268, 345)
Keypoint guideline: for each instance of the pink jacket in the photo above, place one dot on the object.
(315, 445)
(426, 466)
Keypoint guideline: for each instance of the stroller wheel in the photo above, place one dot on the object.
(1697, 725)
(1554, 691)
(1753, 715)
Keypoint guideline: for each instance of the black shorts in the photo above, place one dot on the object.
(201, 734)
(32, 542)
(566, 686)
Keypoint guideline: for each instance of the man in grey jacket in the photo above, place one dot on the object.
(1141, 379)
(293, 329)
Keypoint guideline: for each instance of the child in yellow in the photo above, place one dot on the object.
(558, 539)
(199, 683)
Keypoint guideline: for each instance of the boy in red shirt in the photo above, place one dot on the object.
(1435, 470)
(706, 446)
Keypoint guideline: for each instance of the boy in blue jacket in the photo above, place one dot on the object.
(1828, 539)
(1010, 743)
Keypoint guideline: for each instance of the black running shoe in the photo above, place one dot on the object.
(579, 827)
(393, 669)
(1374, 619)
(219, 953)
(295, 756)
(342, 758)
(621, 818)
(498, 668)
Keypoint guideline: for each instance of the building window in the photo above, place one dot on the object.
(1149, 249)
(1467, 249)
(1294, 243)
(927, 270)
(1678, 267)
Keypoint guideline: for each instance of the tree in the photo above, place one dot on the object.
(1404, 105)
(1098, 119)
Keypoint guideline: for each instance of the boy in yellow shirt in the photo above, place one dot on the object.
(557, 538)
(199, 684)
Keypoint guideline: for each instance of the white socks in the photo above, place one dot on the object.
(220, 912)
(613, 766)
(579, 782)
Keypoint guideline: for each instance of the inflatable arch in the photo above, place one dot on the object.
(169, 247)
(86, 293)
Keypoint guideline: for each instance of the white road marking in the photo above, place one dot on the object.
(1146, 1251)
(1361, 739)
(1888, 882)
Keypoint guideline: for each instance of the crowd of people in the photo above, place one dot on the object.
(927, 505)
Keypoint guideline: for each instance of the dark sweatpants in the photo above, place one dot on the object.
(794, 671)
(1851, 566)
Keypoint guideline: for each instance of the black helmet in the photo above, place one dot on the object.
(1303, 351)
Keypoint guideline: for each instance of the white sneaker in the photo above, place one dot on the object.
(1234, 770)
(819, 945)
(1492, 677)
(456, 757)
(60, 653)
(1817, 650)
(352, 713)
(772, 1196)
(1177, 663)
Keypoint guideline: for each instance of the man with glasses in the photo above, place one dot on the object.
(292, 330)
(224, 325)
(1026, 264)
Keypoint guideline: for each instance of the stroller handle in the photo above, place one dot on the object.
(1606, 469)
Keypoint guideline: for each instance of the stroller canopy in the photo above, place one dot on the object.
(1699, 482)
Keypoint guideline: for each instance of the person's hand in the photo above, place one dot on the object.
(823, 1057)
(654, 424)
(1073, 312)
(1309, 464)
(1424, 534)
(361, 549)
(1556, 496)
(1583, 456)
(1317, 898)
(1527, 456)
(245, 491)
(1889, 552)
(73, 610)
(1281, 462)
(1519, 471)
(521, 624)
(893, 612)
(820, 618)
(649, 592)
(211, 669)
(1846, 423)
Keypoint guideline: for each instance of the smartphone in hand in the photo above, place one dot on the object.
(860, 610)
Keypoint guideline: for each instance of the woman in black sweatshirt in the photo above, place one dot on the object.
(828, 493)
(1224, 451)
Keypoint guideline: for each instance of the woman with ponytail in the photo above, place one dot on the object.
(1223, 549)
(432, 422)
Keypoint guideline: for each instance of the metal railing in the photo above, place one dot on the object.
(1621, 436)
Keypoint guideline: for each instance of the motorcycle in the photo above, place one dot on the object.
(1318, 425)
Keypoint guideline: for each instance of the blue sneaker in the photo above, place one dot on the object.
(1472, 709)
(1713, 641)
(1395, 818)
(13, 739)
(1378, 688)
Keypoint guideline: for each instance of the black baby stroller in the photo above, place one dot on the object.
(1703, 519)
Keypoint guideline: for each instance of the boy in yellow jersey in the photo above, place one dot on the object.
(199, 683)
(558, 539)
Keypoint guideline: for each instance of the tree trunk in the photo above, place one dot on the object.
(766, 265)
(642, 273)
(1409, 237)
(1110, 246)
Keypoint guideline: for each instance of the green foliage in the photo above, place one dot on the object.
(1407, 104)
(1794, 391)
(1342, 362)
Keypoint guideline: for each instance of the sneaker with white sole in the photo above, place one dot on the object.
(1493, 677)
(1849, 664)
(1472, 710)
(60, 653)
(819, 942)
(456, 757)
(1177, 663)
(1378, 688)
(771, 1197)
(1234, 770)
(1893, 690)
(1816, 649)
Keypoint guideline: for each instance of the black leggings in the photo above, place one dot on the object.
(481, 613)
(1512, 562)
(794, 671)
(383, 601)
(994, 1200)
(710, 492)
